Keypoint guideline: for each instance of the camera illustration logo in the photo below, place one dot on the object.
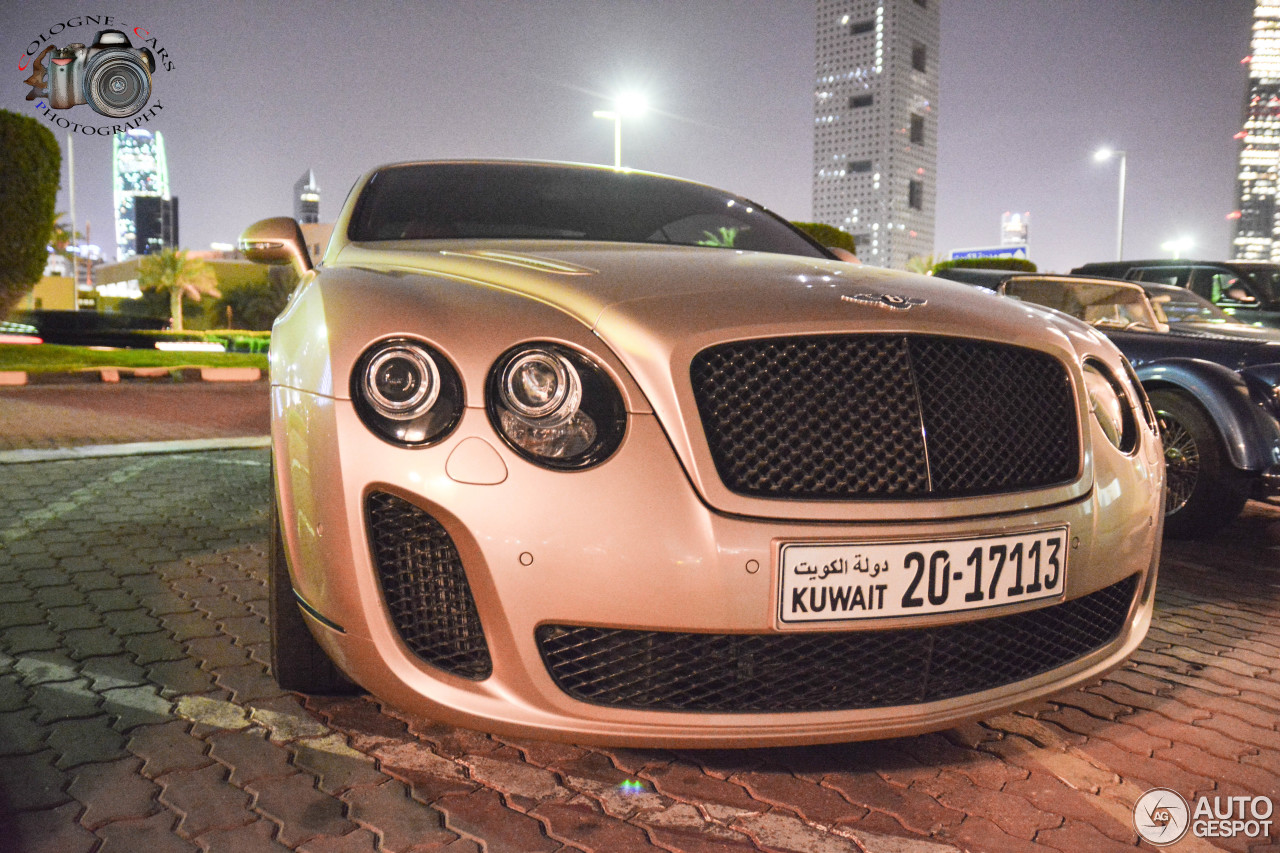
(110, 75)
(1161, 817)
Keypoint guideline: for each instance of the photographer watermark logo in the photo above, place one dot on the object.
(109, 74)
(1161, 817)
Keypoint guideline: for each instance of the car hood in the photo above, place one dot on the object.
(677, 291)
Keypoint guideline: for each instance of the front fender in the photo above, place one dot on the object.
(1264, 386)
(1251, 436)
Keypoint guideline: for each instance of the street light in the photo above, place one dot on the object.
(629, 105)
(1102, 155)
(1177, 246)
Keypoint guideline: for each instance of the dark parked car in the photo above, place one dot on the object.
(1185, 311)
(1247, 290)
(1217, 398)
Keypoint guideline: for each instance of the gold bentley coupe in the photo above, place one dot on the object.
(602, 456)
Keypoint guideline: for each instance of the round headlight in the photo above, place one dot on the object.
(541, 388)
(1111, 406)
(554, 406)
(402, 381)
(406, 392)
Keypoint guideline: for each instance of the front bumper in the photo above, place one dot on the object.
(628, 545)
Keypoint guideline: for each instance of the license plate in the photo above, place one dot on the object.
(839, 581)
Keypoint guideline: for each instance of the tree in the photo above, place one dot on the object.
(922, 264)
(1015, 264)
(61, 238)
(253, 305)
(828, 235)
(173, 272)
(29, 176)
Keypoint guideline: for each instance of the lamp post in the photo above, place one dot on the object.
(1102, 155)
(628, 105)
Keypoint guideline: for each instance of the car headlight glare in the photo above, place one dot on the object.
(1111, 406)
(406, 392)
(555, 406)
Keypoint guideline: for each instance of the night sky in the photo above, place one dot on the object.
(1030, 88)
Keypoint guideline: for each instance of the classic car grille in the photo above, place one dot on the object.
(849, 417)
(826, 671)
(425, 587)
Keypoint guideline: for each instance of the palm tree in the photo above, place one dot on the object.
(61, 237)
(172, 271)
(921, 263)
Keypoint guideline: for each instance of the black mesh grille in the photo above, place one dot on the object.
(425, 587)
(853, 417)
(826, 671)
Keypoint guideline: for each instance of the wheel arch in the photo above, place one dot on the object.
(1249, 436)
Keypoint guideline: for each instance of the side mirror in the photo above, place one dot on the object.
(277, 240)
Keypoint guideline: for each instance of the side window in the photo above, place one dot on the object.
(1177, 276)
(1230, 290)
(1207, 283)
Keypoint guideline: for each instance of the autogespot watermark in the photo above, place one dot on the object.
(1163, 817)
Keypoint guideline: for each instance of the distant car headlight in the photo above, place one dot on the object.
(554, 406)
(1111, 406)
(406, 392)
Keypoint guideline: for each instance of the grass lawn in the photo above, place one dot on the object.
(55, 358)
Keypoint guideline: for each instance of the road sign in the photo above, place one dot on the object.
(992, 252)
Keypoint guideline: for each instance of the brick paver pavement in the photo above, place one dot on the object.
(38, 417)
(137, 714)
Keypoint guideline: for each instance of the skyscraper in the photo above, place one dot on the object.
(155, 223)
(875, 143)
(1257, 231)
(138, 169)
(306, 199)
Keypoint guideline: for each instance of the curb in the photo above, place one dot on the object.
(13, 378)
(143, 448)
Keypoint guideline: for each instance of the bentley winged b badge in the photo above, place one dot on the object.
(892, 301)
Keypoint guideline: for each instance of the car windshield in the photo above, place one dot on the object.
(1096, 303)
(1179, 305)
(452, 201)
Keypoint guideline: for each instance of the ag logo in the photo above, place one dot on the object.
(892, 301)
(1161, 817)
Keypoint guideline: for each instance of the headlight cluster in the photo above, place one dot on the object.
(1111, 405)
(406, 392)
(554, 406)
(551, 404)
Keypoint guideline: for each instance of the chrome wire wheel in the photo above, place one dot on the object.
(1181, 460)
(1204, 491)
